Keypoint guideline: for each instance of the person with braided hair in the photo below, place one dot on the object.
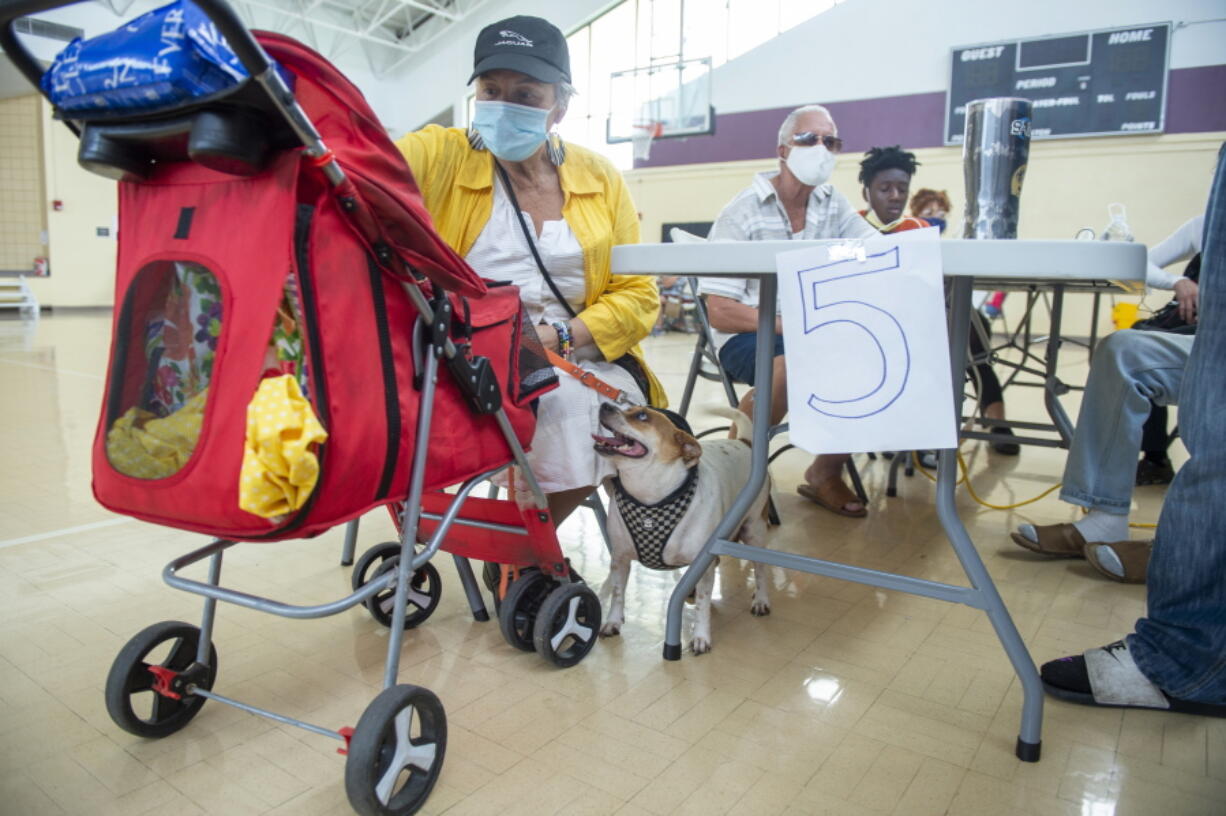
(885, 176)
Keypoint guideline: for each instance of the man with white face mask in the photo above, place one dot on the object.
(795, 202)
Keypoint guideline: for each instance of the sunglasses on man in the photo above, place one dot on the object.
(807, 138)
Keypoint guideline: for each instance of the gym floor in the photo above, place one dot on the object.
(846, 700)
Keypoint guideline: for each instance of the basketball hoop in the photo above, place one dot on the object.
(642, 138)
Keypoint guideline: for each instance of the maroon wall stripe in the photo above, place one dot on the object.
(1196, 103)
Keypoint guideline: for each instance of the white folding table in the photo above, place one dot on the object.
(967, 263)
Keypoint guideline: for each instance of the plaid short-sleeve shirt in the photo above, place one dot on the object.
(756, 214)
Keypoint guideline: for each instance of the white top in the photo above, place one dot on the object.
(1180, 245)
(501, 252)
(561, 454)
(756, 214)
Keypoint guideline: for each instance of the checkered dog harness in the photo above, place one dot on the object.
(650, 525)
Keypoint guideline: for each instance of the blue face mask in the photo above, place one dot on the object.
(510, 132)
(939, 223)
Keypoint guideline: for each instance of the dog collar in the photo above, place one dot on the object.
(650, 525)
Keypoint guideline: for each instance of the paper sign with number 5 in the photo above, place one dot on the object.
(830, 295)
(867, 351)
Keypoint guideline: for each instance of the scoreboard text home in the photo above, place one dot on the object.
(1095, 83)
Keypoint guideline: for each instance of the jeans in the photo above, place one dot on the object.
(1181, 642)
(1131, 370)
(737, 355)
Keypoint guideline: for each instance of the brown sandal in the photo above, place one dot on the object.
(1056, 540)
(1132, 557)
(833, 495)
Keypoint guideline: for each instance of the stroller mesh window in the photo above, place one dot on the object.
(535, 371)
(165, 348)
(286, 353)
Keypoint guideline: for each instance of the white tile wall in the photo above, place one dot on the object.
(22, 200)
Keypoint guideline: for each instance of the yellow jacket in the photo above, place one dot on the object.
(457, 184)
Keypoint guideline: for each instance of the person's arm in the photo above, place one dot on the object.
(419, 149)
(1187, 295)
(1180, 245)
(625, 312)
(725, 297)
(729, 315)
(1158, 278)
(434, 155)
(582, 344)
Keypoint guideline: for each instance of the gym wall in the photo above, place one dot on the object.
(882, 68)
(82, 260)
(21, 223)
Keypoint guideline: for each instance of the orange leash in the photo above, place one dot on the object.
(589, 379)
(508, 573)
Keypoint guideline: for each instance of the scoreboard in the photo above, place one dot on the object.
(1095, 83)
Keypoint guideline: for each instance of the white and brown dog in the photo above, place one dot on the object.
(669, 495)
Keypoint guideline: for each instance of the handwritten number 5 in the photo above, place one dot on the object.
(829, 296)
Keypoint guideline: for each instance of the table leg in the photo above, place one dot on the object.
(764, 360)
(1052, 387)
(1098, 297)
(1029, 737)
(351, 543)
(982, 593)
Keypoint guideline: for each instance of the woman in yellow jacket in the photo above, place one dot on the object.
(521, 206)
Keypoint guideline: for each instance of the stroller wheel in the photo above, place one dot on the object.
(396, 752)
(517, 614)
(372, 561)
(567, 624)
(491, 576)
(425, 590)
(160, 656)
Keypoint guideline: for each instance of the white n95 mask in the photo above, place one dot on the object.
(811, 166)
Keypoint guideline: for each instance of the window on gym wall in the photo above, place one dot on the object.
(639, 33)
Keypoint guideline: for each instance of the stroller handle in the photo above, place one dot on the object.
(244, 46)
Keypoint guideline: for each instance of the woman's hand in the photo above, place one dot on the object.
(549, 337)
(1187, 295)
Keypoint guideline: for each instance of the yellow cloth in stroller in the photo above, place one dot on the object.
(279, 467)
(147, 446)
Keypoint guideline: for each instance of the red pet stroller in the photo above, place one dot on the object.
(293, 345)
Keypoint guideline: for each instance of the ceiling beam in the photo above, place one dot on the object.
(389, 40)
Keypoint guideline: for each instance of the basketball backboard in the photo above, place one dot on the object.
(669, 100)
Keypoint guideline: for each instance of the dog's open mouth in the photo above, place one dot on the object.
(618, 445)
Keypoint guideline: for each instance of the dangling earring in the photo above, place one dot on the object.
(474, 139)
(554, 149)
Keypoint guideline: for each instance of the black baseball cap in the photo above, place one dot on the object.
(529, 45)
